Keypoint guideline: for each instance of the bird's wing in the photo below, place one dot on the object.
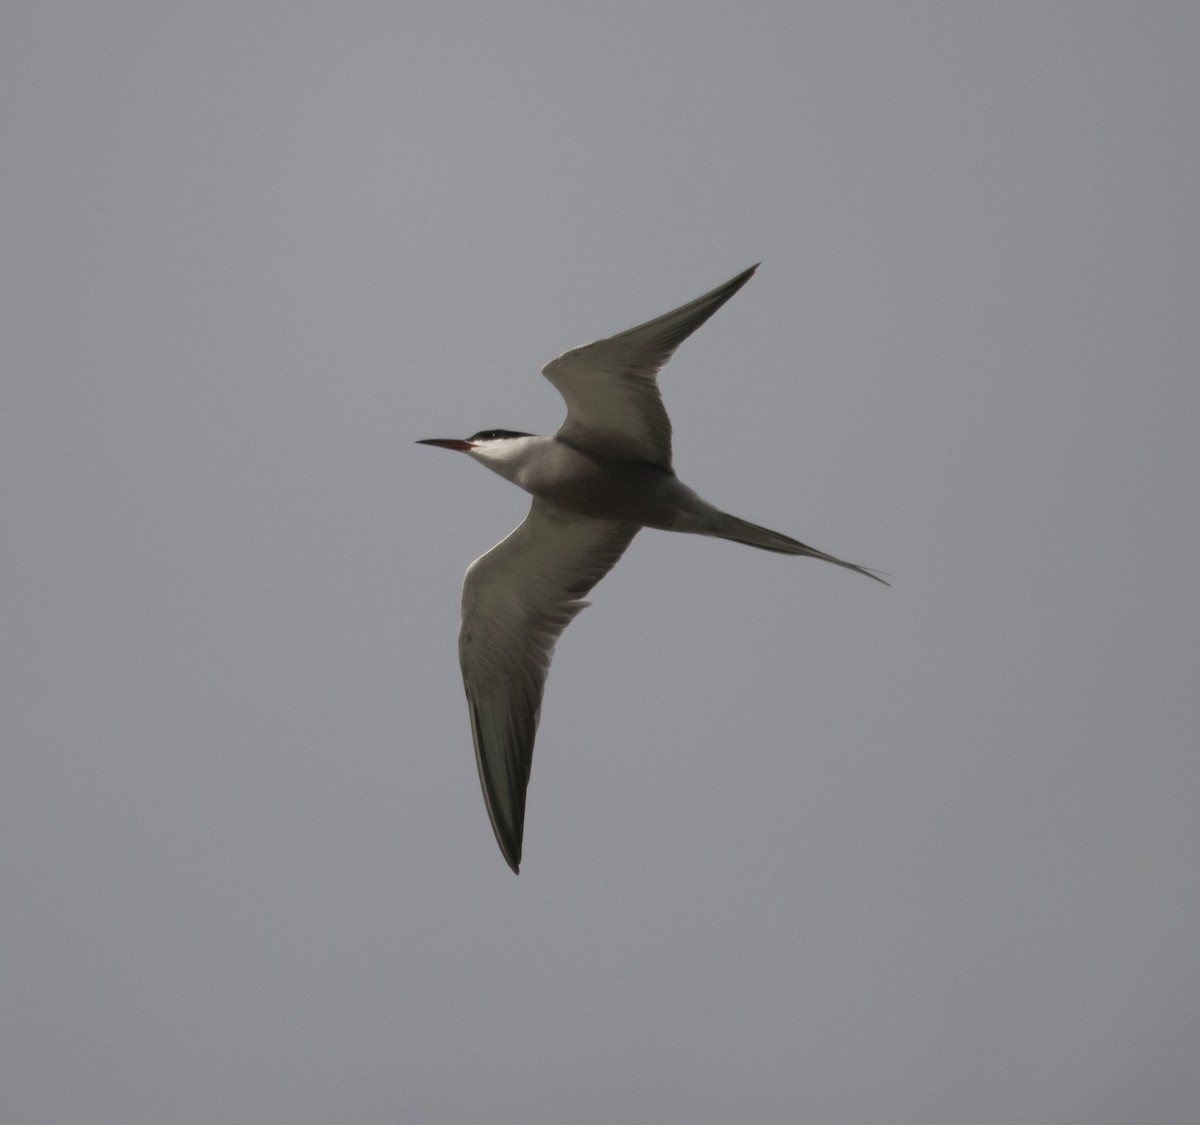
(611, 386)
(517, 600)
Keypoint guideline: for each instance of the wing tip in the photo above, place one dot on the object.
(508, 837)
(511, 850)
(508, 830)
(744, 276)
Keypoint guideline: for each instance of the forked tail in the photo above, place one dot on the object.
(751, 534)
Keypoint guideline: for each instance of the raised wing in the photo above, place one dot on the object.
(613, 404)
(517, 600)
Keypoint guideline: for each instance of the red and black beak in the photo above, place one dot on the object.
(448, 443)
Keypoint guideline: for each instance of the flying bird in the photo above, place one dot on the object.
(605, 475)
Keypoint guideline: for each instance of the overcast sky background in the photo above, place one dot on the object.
(799, 847)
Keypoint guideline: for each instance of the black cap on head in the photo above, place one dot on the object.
(487, 435)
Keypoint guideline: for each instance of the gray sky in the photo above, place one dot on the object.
(799, 848)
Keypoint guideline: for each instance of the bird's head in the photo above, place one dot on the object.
(502, 451)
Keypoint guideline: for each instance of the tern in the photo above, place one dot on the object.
(604, 476)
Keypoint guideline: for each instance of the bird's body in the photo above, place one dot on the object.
(605, 475)
(595, 485)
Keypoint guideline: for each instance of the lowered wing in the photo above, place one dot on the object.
(517, 600)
